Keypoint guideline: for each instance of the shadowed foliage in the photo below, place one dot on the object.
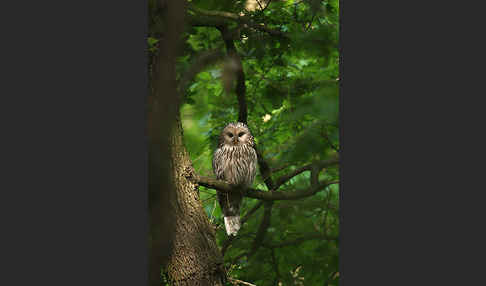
(275, 66)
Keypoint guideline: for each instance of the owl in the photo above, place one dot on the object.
(234, 161)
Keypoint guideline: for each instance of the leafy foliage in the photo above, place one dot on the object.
(292, 96)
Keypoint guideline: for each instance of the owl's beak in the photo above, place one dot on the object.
(235, 140)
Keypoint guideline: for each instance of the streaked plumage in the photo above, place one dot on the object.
(235, 162)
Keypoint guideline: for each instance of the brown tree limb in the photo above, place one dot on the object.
(265, 170)
(202, 17)
(236, 281)
(243, 117)
(314, 177)
(240, 74)
(222, 186)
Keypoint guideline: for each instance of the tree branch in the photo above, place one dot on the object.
(251, 212)
(243, 117)
(265, 170)
(236, 281)
(280, 168)
(240, 75)
(222, 186)
(202, 17)
(314, 177)
(319, 165)
(268, 3)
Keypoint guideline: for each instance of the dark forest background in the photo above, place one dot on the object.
(275, 66)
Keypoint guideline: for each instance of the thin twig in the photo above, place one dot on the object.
(268, 3)
(208, 199)
(236, 281)
(212, 212)
(259, 4)
(280, 168)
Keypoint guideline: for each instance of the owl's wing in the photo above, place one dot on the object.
(229, 202)
(218, 164)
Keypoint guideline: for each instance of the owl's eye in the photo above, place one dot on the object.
(230, 135)
(241, 134)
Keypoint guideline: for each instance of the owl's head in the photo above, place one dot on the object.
(236, 134)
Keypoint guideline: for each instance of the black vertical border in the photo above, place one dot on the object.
(74, 154)
(411, 124)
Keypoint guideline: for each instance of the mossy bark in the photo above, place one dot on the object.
(195, 258)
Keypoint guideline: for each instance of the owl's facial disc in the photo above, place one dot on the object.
(231, 138)
(235, 136)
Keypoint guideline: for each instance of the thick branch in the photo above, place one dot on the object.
(314, 177)
(222, 186)
(265, 171)
(243, 117)
(201, 17)
(240, 75)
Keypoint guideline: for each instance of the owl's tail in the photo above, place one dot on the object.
(232, 224)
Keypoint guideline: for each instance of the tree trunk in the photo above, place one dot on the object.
(195, 258)
(182, 241)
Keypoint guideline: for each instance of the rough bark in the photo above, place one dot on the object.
(161, 110)
(181, 241)
(195, 258)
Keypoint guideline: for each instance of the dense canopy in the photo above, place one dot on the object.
(287, 90)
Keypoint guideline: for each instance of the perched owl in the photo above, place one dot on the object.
(234, 161)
